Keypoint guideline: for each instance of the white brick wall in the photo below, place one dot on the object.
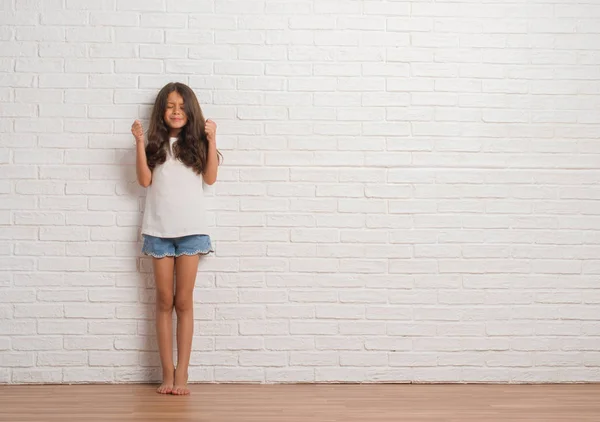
(409, 190)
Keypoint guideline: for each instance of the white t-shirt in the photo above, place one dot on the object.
(175, 205)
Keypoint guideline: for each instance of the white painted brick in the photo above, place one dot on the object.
(160, 20)
(438, 154)
(18, 233)
(63, 81)
(39, 188)
(17, 360)
(363, 359)
(91, 4)
(88, 343)
(111, 328)
(387, 376)
(38, 5)
(36, 376)
(63, 264)
(234, 374)
(138, 66)
(289, 375)
(39, 311)
(135, 343)
(218, 328)
(88, 66)
(314, 359)
(90, 219)
(267, 328)
(5, 217)
(6, 311)
(62, 203)
(121, 358)
(239, 343)
(338, 343)
(39, 249)
(37, 218)
(174, 37)
(61, 295)
(348, 375)
(74, 375)
(150, 5)
(17, 264)
(132, 35)
(313, 328)
(60, 327)
(363, 236)
(264, 264)
(40, 65)
(111, 204)
(18, 49)
(240, 280)
(97, 34)
(55, 49)
(37, 279)
(30, 95)
(158, 52)
(262, 359)
(64, 233)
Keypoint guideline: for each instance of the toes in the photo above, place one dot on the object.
(180, 391)
(163, 389)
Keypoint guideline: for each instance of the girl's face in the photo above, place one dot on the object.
(175, 116)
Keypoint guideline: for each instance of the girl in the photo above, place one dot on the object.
(179, 156)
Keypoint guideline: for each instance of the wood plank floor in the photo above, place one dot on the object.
(295, 403)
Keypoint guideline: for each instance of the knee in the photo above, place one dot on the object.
(164, 302)
(183, 304)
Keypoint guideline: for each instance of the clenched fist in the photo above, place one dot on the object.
(138, 131)
(210, 130)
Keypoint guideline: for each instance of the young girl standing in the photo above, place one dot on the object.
(179, 155)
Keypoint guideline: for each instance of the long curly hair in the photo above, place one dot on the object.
(192, 145)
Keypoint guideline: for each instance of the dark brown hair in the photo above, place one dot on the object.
(192, 146)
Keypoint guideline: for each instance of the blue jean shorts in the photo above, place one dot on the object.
(159, 247)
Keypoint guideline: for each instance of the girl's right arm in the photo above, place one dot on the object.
(144, 174)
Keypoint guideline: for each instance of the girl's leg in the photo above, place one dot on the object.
(186, 268)
(163, 275)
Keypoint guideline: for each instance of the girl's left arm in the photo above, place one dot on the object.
(212, 161)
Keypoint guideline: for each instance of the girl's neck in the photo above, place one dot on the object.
(174, 133)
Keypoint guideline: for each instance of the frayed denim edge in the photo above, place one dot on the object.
(200, 252)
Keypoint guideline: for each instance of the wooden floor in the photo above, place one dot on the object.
(295, 403)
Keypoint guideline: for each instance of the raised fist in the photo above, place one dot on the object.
(138, 131)
(211, 130)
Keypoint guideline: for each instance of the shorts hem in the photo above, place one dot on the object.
(177, 255)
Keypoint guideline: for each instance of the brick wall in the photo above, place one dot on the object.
(409, 190)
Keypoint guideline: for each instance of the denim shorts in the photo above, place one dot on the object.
(159, 247)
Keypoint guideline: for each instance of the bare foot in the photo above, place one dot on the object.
(180, 387)
(167, 385)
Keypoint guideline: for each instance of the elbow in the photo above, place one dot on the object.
(209, 177)
(145, 182)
